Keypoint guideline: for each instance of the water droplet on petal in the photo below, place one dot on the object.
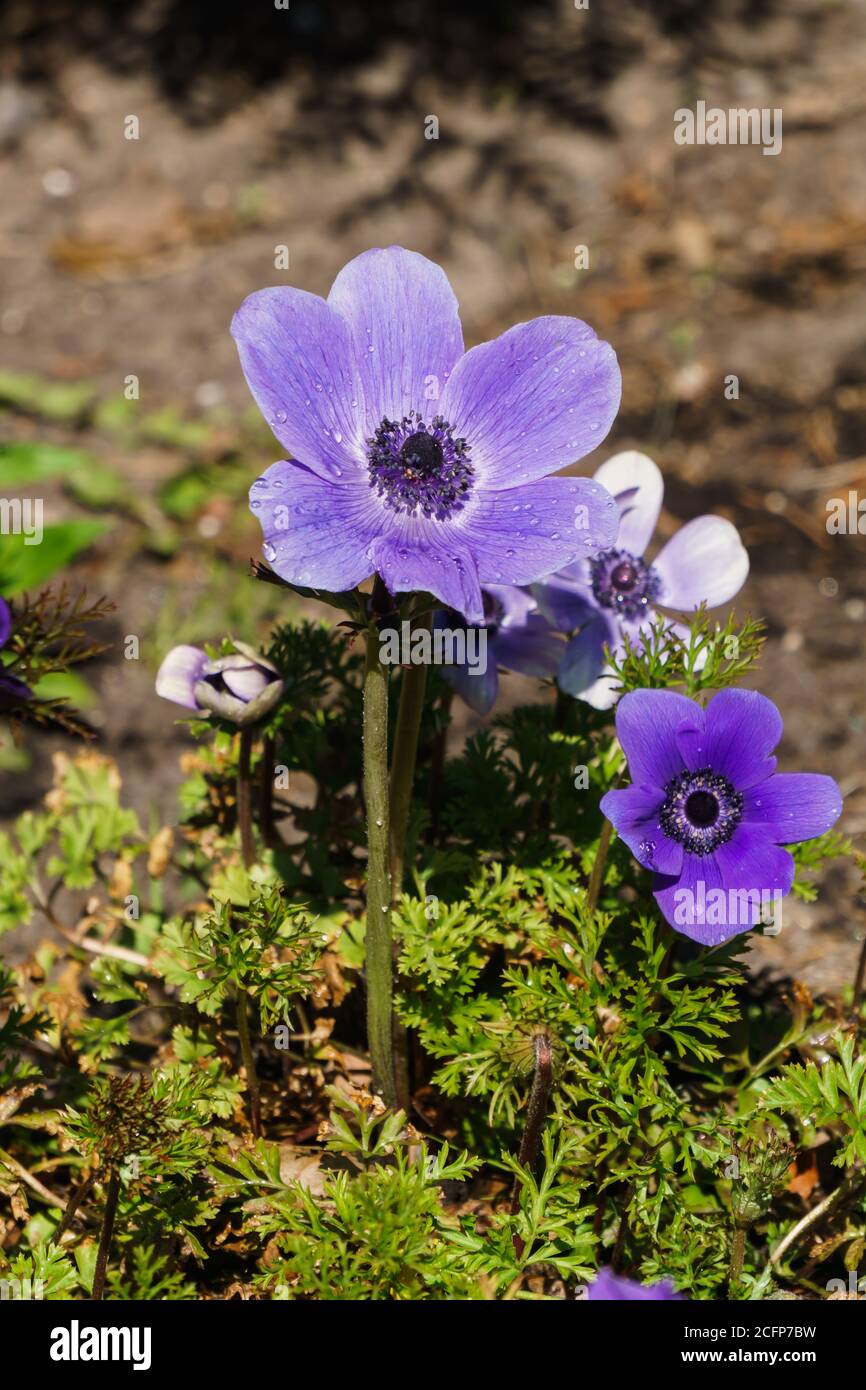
(269, 552)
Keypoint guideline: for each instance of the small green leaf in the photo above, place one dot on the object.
(25, 566)
(53, 400)
(22, 464)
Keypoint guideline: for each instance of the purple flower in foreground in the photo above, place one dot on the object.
(607, 1286)
(612, 595)
(708, 811)
(11, 687)
(411, 458)
(514, 636)
(241, 687)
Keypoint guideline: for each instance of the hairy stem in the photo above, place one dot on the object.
(597, 877)
(621, 1230)
(242, 1014)
(738, 1251)
(245, 816)
(413, 684)
(72, 1206)
(379, 964)
(536, 1109)
(860, 978)
(437, 770)
(266, 793)
(101, 1269)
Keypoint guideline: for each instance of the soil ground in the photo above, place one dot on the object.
(305, 128)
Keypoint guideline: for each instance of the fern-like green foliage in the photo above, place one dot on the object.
(165, 978)
(830, 1093)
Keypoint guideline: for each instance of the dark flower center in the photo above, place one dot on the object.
(701, 809)
(624, 582)
(415, 466)
(421, 455)
(623, 577)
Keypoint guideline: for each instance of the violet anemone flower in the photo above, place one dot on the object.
(514, 636)
(12, 688)
(242, 687)
(707, 810)
(411, 458)
(609, 1287)
(614, 594)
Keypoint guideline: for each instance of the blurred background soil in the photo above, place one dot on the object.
(304, 127)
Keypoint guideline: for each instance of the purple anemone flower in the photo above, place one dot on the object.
(242, 687)
(516, 637)
(614, 594)
(12, 688)
(608, 1287)
(411, 458)
(708, 811)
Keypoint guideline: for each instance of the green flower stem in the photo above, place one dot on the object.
(859, 977)
(437, 771)
(596, 880)
(379, 964)
(245, 806)
(266, 794)
(242, 1015)
(111, 1198)
(597, 876)
(413, 685)
(738, 1251)
(536, 1110)
(245, 823)
(72, 1206)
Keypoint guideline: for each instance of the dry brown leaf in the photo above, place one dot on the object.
(803, 1174)
(302, 1165)
(159, 852)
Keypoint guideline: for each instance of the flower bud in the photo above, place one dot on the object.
(242, 687)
